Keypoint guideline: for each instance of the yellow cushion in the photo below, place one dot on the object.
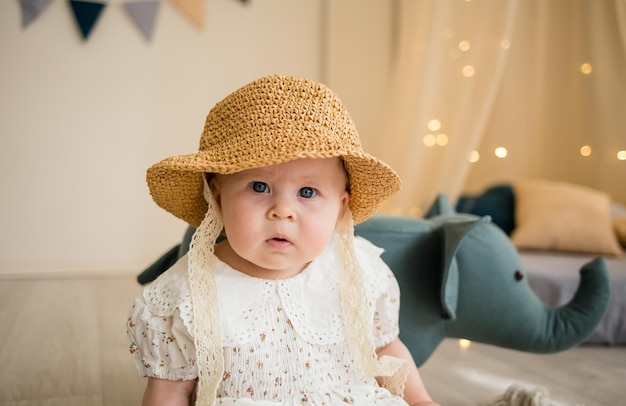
(563, 217)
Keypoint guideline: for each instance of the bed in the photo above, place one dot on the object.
(557, 227)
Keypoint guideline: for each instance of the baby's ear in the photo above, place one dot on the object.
(214, 186)
(345, 201)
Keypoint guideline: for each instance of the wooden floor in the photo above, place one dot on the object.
(63, 342)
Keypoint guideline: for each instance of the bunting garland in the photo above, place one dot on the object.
(143, 13)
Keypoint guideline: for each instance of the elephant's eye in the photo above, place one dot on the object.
(519, 275)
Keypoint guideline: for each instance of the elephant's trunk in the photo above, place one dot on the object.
(532, 326)
(577, 319)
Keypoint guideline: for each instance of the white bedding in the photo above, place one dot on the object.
(554, 277)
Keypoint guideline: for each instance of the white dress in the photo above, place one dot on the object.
(283, 339)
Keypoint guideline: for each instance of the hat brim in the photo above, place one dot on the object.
(176, 183)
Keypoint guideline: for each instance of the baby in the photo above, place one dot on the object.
(289, 308)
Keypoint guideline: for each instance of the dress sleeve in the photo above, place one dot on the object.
(158, 330)
(383, 291)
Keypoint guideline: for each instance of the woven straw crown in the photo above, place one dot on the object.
(272, 120)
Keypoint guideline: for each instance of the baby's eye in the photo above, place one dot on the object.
(260, 187)
(307, 192)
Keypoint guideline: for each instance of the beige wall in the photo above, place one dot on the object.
(81, 121)
(356, 63)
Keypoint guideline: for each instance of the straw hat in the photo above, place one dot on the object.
(272, 120)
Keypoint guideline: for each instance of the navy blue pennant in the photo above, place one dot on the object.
(86, 14)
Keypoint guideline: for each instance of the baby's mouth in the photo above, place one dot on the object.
(279, 241)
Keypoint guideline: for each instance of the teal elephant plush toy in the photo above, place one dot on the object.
(460, 276)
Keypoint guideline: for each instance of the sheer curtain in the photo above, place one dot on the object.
(447, 69)
(560, 109)
(544, 81)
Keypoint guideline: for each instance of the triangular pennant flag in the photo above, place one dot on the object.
(193, 9)
(86, 14)
(31, 9)
(144, 14)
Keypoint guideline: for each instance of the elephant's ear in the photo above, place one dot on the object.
(441, 206)
(453, 235)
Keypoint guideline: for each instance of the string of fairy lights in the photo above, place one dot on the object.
(435, 138)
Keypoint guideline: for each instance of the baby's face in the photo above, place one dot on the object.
(278, 218)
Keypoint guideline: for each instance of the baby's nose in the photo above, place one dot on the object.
(282, 209)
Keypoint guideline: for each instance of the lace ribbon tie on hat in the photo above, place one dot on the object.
(356, 316)
(208, 335)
